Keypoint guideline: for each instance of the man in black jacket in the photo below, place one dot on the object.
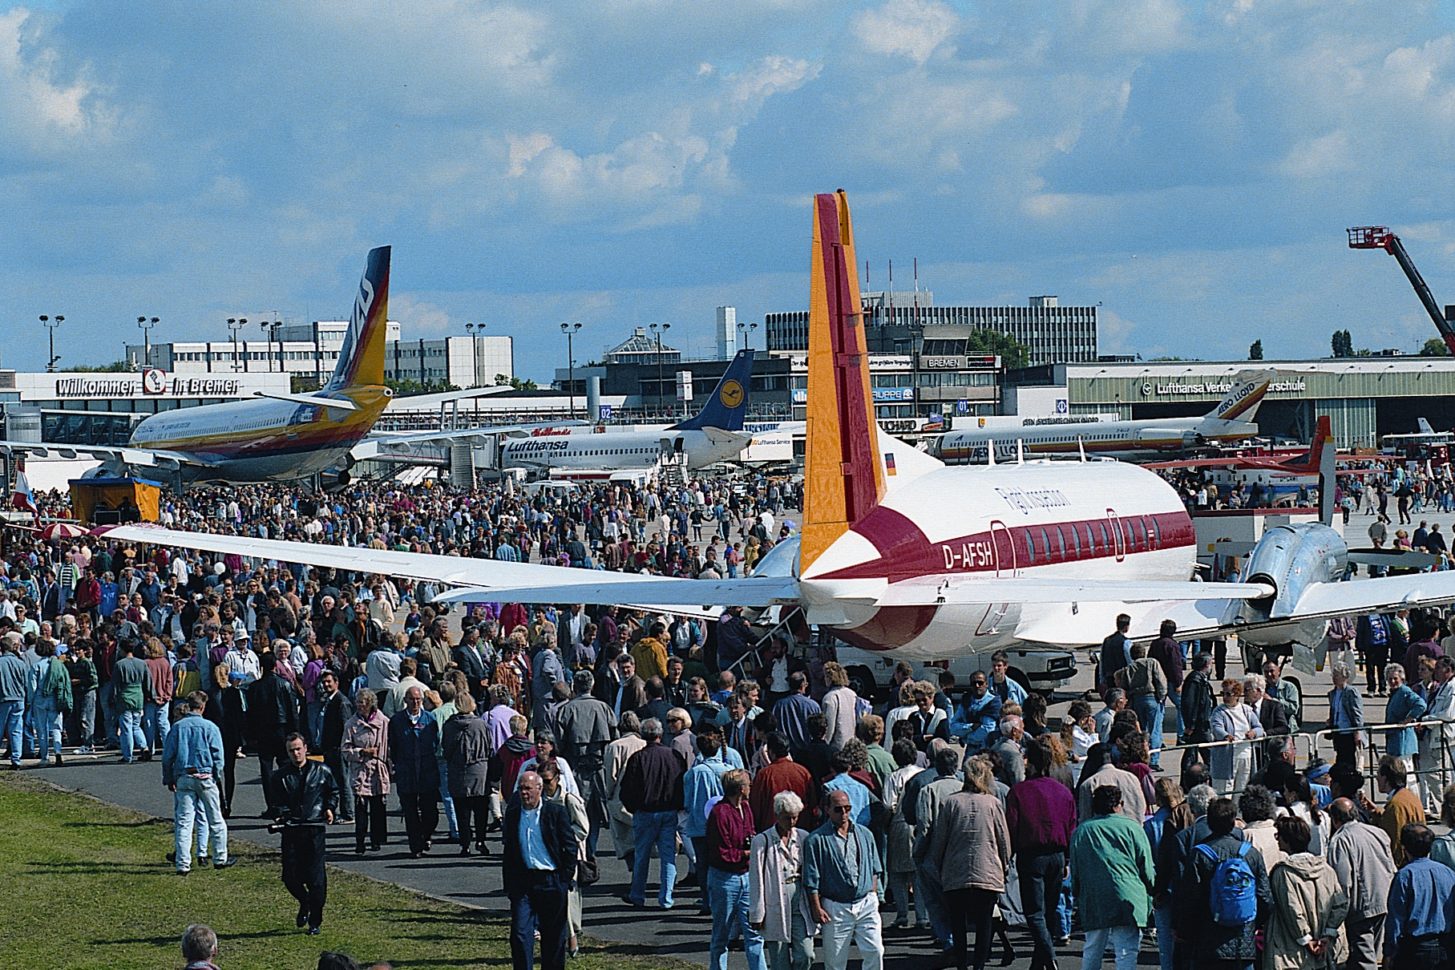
(331, 739)
(470, 658)
(1198, 701)
(306, 799)
(539, 869)
(272, 717)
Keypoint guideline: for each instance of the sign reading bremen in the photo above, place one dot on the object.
(81, 387)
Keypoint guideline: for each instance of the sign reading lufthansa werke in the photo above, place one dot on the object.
(1179, 388)
(150, 383)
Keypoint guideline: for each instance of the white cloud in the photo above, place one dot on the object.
(42, 110)
(418, 316)
(1319, 157)
(774, 74)
(906, 28)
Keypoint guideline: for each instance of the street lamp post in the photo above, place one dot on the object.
(658, 329)
(271, 328)
(570, 330)
(235, 324)
(50, 323)
(745, 331)
(146, 324)
(475, 330)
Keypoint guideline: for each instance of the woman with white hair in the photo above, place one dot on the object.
(1236, 723)
(777, 904)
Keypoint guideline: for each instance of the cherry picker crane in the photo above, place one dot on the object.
(1380, 237)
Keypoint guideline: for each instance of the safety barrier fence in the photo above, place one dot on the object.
(1433, 761)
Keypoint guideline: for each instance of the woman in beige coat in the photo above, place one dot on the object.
(1308, 903)
(970, 846)
(366, 758)
(777, 904)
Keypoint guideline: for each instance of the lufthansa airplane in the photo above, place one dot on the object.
(712, 435)
(1230, 420)
(937, 561)
(274, 437)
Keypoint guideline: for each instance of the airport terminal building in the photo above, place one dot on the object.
(1365, 397)
(101, 408)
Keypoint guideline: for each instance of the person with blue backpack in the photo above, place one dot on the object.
(1223, 896)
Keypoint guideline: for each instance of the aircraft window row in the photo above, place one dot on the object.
(1064, 540)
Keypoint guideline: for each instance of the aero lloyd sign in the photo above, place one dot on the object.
(152, 382)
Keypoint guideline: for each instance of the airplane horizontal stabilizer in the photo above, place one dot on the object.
(313, 399)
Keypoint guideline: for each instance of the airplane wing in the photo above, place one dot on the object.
(1194, 463)
(135, 457)
(401, 444)
(949, 590)
(1217, 615)
(522, 582)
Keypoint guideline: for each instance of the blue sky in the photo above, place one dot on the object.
(1189, 166)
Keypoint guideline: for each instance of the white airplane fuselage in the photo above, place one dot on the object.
(1114, 439)
(263, 440)
(625, 450)
(1061, 520)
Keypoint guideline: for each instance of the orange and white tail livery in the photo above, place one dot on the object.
(846, 479)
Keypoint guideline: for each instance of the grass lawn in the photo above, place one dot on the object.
(85, 885)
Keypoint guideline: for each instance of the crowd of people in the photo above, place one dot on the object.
(805, 813)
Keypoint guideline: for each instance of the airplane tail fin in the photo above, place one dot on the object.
(1425, 427)
(728, 403)
(1309, 461)
(844, 476)
(1323, 454)
(361, 358)
(1241, 402)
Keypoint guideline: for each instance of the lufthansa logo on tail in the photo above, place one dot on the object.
(731, 394)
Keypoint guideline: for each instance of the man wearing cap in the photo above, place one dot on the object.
(240, 657)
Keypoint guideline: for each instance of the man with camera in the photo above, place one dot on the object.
(306, 797)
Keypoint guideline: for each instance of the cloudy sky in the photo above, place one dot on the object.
(1190, 167)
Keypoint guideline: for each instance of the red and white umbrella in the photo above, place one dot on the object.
(63, 530)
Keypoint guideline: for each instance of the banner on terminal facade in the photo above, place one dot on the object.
(152, 382)
(1179, 388)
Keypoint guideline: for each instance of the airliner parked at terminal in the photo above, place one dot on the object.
(1231, 420)
(714, 434)
(947, 559)
(277, 437)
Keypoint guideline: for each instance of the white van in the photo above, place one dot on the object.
(1039, 669)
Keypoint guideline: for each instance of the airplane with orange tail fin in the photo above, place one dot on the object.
(931, 561)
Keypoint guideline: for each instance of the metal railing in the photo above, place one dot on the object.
(1443, 768)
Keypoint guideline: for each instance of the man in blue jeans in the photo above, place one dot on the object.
(651, 789)
(729, 833)
(192, 760)
(1147, 686)
(133, 685)
(12, 696)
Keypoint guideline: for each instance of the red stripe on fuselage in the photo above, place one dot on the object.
(905, 552)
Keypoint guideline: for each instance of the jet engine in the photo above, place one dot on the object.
(336, 479)
(1289, 558)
